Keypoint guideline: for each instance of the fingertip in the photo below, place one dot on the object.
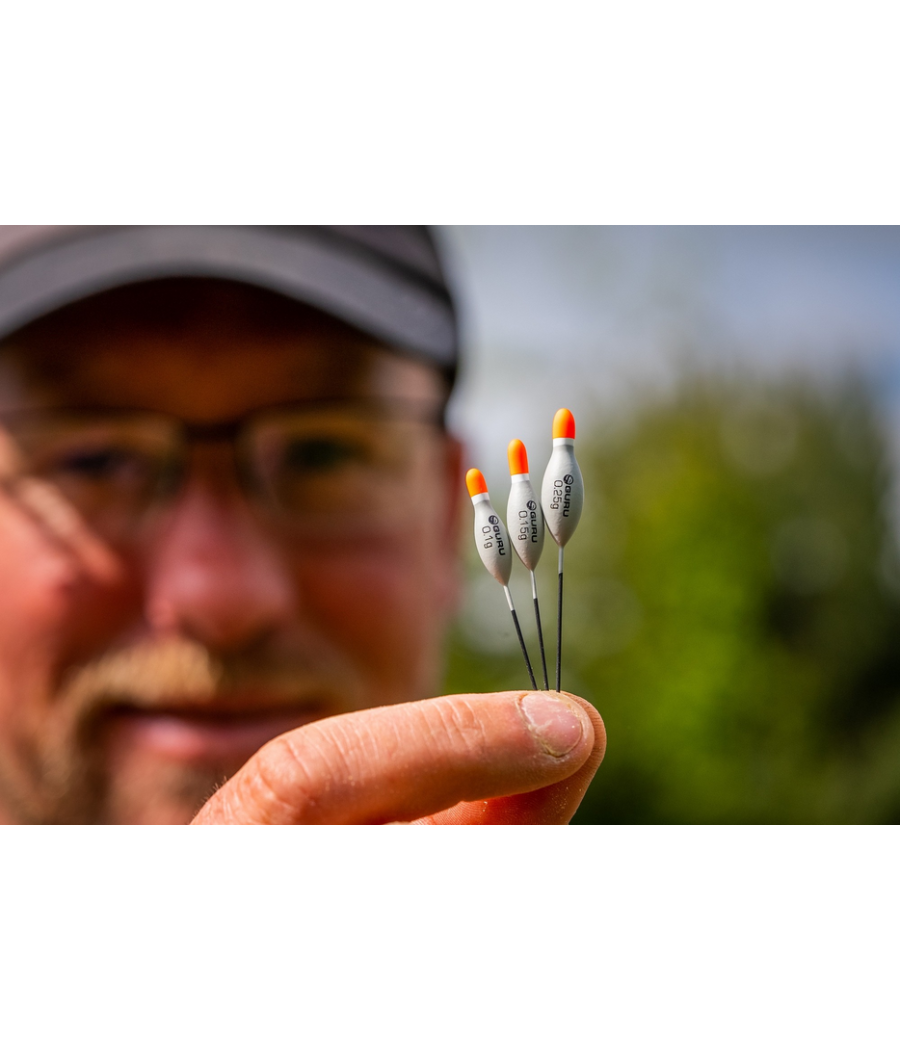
(557, 722)
(597, 724)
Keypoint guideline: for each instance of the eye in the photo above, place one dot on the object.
(106, 466)
(96, 464)
(321, 454)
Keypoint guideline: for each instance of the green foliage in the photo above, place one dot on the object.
(731, 610)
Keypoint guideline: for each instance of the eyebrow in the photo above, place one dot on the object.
(421, 409)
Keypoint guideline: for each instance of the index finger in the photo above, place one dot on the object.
(405, 762)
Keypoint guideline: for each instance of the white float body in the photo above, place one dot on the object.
(562, 491)
(491, 539)
(525, 520)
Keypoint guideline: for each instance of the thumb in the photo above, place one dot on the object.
(555, 804)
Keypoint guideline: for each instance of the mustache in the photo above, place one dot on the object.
(157, 673)
(166, 674)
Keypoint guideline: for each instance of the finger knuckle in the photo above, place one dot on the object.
(459, 722)
(281, 784)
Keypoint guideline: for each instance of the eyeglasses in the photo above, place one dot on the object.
(312, 466)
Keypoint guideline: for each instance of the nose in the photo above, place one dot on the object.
(214, 576)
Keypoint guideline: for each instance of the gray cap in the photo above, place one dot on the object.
(385, 280)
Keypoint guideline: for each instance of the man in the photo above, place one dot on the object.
(228, 519)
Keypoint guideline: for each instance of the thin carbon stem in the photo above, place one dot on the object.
(512, 609)
(559, 623)
(537, 616)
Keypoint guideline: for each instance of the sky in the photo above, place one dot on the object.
(587, 316)
(592, 317)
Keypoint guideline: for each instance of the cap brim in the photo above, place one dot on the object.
(387, 301)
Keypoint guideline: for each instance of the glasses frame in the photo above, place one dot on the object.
(235, 431)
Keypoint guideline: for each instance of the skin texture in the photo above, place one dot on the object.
(431, 762)
(138, 677)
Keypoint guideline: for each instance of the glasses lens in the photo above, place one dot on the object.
(343, 464)
(109, 468)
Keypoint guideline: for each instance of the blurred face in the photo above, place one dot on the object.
(193, 557)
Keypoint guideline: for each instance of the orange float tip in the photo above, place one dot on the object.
(518, 457)
(475, 482)
(564, 424)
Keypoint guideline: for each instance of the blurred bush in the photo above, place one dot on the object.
(732, 609)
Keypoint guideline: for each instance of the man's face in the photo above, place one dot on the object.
(141, 667)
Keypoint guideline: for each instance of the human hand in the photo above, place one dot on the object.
(477, 758)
